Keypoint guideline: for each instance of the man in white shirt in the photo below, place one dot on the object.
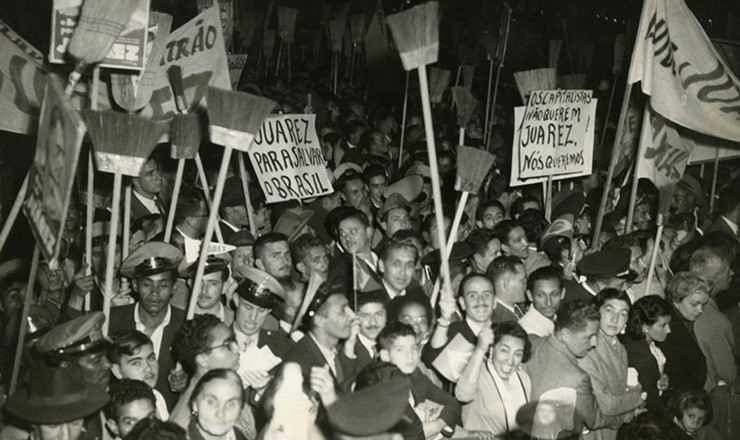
(545, 292)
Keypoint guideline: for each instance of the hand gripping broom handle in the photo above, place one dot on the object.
(432, 151)
(209, 231)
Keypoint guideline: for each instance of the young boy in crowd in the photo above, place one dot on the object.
(132, 357)
(130, 401)
(436, 409)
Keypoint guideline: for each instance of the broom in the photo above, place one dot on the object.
(185, 138)
(133, 92)
(122, 143)
(528, 81)
(356, 36)
(336, 28)
(465, 103)
(100, 23)
(174, 76)
(268, 47)
(416, 35)
(286, 31)
(472, 166)
(234, 118)
(439, 79)
(468, 74)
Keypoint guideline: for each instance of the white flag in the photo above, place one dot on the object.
(680, 69)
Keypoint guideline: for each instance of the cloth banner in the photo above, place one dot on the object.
(52, 173)
(663, 155)
(288, 160)
(679, 67)
(555, 134)
(627, 144)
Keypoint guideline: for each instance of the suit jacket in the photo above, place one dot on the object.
(502, 314)
(717, 341)
(122, 318)
(574, 291)
(685, 363)
(641, 359)
(277, 341)
(364, 357)
(553, 366)
(719, 224)
(138, 209)
(733, 315)
(226, 231)
(341, 274)
(307, 354)
(423, 389)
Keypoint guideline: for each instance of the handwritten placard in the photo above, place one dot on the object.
(556, 133)
(288, 160)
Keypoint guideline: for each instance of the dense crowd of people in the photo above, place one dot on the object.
(328, 317)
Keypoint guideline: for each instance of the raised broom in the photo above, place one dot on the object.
(122, 144)
(185, 136)
(268, 47)
(335, 29)
(439, 80)
(100, 23)
(416, 34)
(356, 36)
(287, 18)
(465, 104)
(234, 119)
(528, 81)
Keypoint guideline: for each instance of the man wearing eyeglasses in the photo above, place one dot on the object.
(191, 218)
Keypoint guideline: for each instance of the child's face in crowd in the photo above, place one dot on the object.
(403, 353)
(132, 413)
(692, 419)
(415, 315)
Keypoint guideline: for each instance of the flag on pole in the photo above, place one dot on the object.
(678, 66)
(665, 149)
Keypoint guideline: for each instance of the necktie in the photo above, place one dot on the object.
(338, 373)
(376, 355)
(518, 312)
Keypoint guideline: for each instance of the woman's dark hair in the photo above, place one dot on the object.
(218, 373)
(513, 329)
(646, 311)
(684, 399)
(192, 339)
(605, 295)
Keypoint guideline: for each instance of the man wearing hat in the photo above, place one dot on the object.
(688, 196)
(233, 208)
(392, 217)
(243, 256)
(153, 271)
(77, 350)
(256, 296)
(55, 405)
(609, 268)
(211, 295)
(329, 319)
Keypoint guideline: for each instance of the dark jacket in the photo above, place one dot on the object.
(423, 389)
(641, 359)
(685, 364)
(307, 354)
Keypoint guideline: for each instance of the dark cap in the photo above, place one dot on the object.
(213, 264)
(324, 292)
(241, 239)
(690, 184)
(260, 288)
(150, 259)
(460, 252)
(386, 401)
(100, 233)
(393, 201)
(607, 263)
(233, 194)
(76, 337)
(572, 204)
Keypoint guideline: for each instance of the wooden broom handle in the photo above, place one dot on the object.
(209, 231)
(126, 221)
(245, 188)
(403, 120)
(432, 151)
(24, 320)
(89, 214)
(206, 189)
(173, 203)
(110, 260)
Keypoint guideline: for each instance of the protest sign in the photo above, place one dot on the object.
(707, 149)
(555, 134)
(52, 173)
(516, 180)
(287, 158)
(128, 52)
(22, 82)
(236, 65)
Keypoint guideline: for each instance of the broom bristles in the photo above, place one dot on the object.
(439, 79)
(236, 117)
(287, 18)
(465, 103)
(336, 34)
(100, 23)
(472, 166)
(357, 28)
(174, 76)
(538, 79)
(416, 34)
(122, 142)
(268, 43)
(185, 136)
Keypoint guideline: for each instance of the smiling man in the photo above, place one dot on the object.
(153, 271)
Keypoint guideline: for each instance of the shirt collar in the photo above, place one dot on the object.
(506, 306)
(366, 342)
(731, 224)
(329, 353)
(391, 291)
(165, 321)
(231, 225)
(476, 327)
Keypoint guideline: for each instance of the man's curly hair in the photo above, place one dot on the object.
(192, 339)
(125, 391)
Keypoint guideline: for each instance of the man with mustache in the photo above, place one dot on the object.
(153, 270)
(372, 313)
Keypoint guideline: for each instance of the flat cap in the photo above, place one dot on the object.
(150, 259)
(78, 336)
(607, 263)
(394, 201)
(260, 288)
(241, 239)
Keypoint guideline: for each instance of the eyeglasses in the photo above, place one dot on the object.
(229, 343)
(410, 320)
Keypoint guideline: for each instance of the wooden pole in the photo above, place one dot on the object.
(110, 260)
(279, 56)
(403, 120)
(608, 110)
(493, 108)
(24, 320)
(206, 192)
(654, 256)
(432, 152)
(488, 99)
(461, 137)
(352, 64)
(616, 150)
(548, 199)
(126, 221)
(173, 204)
(209, 231)
(90, 213)
(354, 279)
(245, 188)
(14, 210)
(633, 199)
(714, 180)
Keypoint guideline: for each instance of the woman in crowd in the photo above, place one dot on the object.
(216, 405)
(492, 388)
(685, 363)
(201, 345)
(616, 392)
(649, 323)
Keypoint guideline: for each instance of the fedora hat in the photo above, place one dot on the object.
(53, 397)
